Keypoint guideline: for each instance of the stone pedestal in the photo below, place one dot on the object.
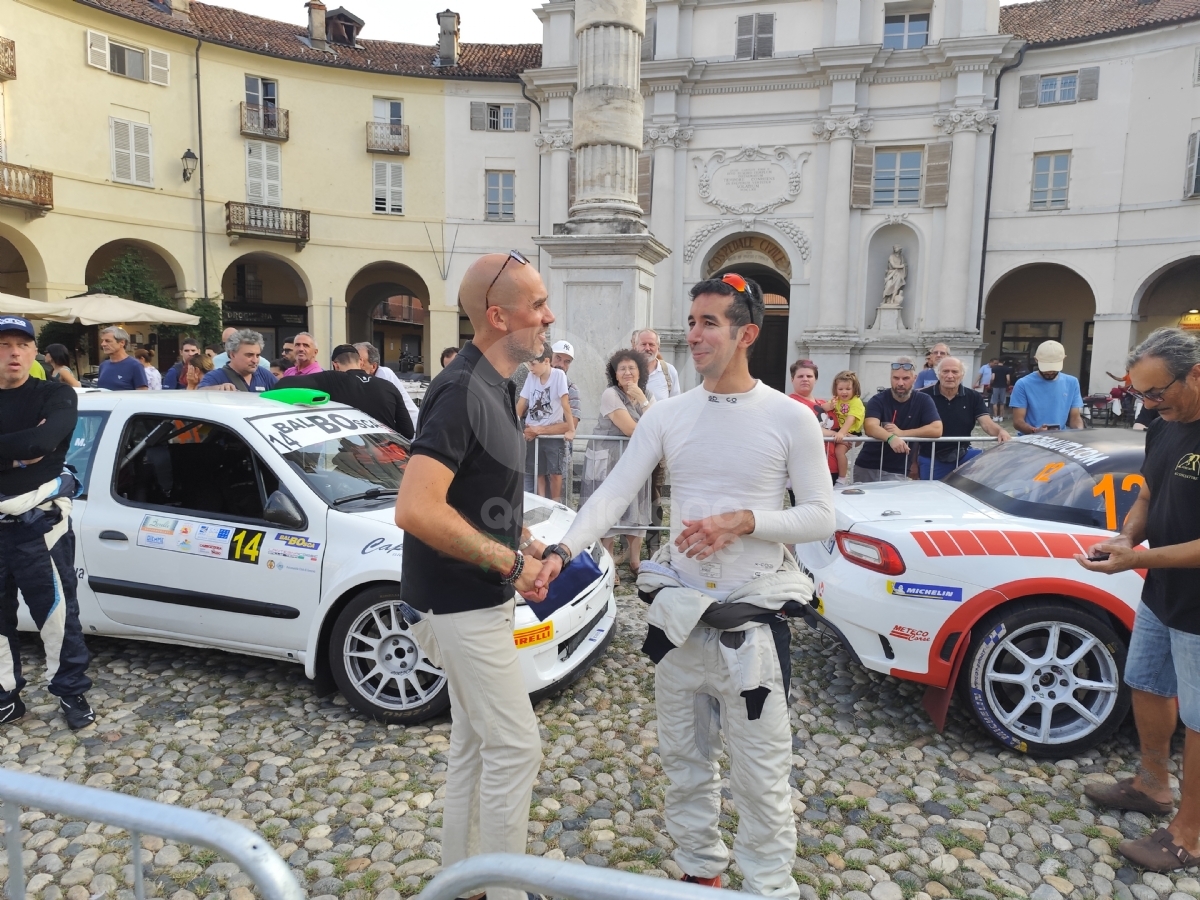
(889, 319)
(600, 290)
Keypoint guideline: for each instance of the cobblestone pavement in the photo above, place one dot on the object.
(887, 808)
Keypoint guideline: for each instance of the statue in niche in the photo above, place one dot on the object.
(893, 281)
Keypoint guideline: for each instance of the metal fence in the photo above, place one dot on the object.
(137, 816)
(910, 458)
(554, 878)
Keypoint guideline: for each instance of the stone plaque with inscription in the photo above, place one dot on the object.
(751, 181)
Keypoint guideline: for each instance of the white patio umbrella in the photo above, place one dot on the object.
(11, 305)
(105, 309)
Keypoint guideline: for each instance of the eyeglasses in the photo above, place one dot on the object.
(1154, 395)
(512, 254)
(738, 283)
(907, 367)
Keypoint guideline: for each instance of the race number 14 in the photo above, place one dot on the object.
(245, 545)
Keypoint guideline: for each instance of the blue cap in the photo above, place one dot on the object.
(17, 323)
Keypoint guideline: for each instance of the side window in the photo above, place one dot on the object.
(82, 451)
(191, 466)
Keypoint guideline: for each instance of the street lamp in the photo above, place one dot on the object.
(189, 164)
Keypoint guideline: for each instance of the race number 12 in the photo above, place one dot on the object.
(245, 545)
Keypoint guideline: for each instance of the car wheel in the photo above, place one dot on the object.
(378, 664)
(1045, 678)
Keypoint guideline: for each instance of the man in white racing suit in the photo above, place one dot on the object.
(721, 586)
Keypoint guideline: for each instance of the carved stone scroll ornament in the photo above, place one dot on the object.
(978, 120)
(852, 127)
(751, 181)
(667, 136)
(799, 238)
(553, 140)
(697, 240)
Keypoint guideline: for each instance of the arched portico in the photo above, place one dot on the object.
(268, 294)
(388, 305)
(20, 263)
(1167, 295)
(164, 267)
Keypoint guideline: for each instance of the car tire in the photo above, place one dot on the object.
(378, 664)
(1079, 681)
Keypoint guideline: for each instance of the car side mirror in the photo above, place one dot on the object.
(282, 510)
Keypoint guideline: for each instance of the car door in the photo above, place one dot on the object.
(176, 541)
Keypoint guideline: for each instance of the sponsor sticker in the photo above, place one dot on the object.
(290, 431)
(296, 540)
(535, 634)
(829, 543)
(200, 539)
(928, 591)
(159, 525)
(904, 633)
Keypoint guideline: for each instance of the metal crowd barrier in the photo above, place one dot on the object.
(554, 878)
(137, 816)
(933, 468)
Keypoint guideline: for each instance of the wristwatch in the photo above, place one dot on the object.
(561, 552)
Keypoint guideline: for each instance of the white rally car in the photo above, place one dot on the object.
(971, 582)
(234, 521)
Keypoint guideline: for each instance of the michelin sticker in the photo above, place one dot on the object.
(927, 591)
(291, 431)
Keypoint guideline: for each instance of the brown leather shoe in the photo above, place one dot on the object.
(1123, 795)
(1158, 852)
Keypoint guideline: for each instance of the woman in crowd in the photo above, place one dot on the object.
(621, 406)
(197, 367)
(153, 376)
(804, 381)
(58, 361)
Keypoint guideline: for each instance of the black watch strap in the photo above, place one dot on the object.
(559, 550)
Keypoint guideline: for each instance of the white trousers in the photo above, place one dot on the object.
(697, 701)
(495, 748)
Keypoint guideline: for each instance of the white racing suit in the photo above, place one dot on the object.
(732, 680)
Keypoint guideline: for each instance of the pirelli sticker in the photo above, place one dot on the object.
(534, 634)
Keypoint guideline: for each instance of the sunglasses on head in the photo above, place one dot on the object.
(512, 254)
(907, 367)
(738, 283)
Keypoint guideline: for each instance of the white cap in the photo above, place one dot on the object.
(1050, 356)
(563, 347)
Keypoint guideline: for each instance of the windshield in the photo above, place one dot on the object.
(354, 467)
(1037, 483)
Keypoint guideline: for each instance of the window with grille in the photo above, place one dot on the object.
(1051, 176)
(501, 117)
(906, 32)
(500, 193)
(755, 36)
(897, 179)
(1057, 89)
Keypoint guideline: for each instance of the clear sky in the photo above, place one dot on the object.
(414, 21)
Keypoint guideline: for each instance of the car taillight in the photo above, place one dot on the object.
(878, 556)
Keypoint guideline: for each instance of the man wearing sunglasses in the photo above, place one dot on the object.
(891, 417)
(730, 445)
(461, 507)
(1048, 399)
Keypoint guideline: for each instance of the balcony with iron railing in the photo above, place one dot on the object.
(387, 137)
(8, 59)
(268, 122)
(30, 188)
(272, 223)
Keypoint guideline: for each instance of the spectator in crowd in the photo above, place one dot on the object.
(37, 542)
(222, 357)
(546, 408)
(983, 381)
(960, 410)
(349, 383)
(804, 382)
(288, 352)
(928, 375)
(242, 372)
(278, 367)
(622, 405)
(306, 356)
(174, 379)
(447, 355)
(59, 360)
(372, 363)
(663, 383)
(1002, 380)
(461, 507)
(212, 351)
(847, 409)
(1048, 399)
(564, 355)
(120, 372)
(1161, 664)
(153, 376)
(197, 367)
(891, 417)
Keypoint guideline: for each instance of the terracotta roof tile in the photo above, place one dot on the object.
(219, 25)
(1059, 21)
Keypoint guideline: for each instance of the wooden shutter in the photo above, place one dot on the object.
(478, 116)
(389, 187)
(1192, 172)
(3, 147)
(648, 39)
(97, 50)
(143, 161)
(862, 170)
(744, 48)
(570, 181)
(1088, 87)
(256, 191)
(273, 173)
(1029, 91)
(1196, 72)
(645, 181)
(122, 150)
(937, 174)
(764, 36)
(160, 67)
(524, 111)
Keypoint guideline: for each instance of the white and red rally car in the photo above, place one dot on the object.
(972, 581)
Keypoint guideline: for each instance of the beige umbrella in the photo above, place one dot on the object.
(11, 305)
(105, 309)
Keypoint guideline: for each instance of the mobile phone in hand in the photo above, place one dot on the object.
(1100, 556)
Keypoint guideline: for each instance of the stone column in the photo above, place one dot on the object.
(607, 117)
(667, 141)
(1114, 336)
(956, 298)
(557, 145)
(832, 297)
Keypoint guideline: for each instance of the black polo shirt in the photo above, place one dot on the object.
(1172, 472)
(915, 412)
(469, 424)
(959, 417)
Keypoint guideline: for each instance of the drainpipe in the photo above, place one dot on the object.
(203, 216)
(539, 109)
(987, 208)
